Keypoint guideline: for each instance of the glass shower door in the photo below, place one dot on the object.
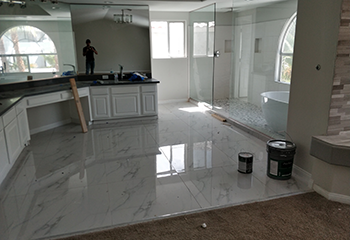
(202, 34)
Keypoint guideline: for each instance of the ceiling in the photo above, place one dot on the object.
(62, 12)
(180, 5)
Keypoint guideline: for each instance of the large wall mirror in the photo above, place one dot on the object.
(36, 40)
(118, 40)
(42, 40)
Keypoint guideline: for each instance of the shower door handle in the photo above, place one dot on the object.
(217, 53)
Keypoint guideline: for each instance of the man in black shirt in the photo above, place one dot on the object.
(89, 51)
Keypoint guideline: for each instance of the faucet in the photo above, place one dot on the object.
(71, 66)
(120, 72)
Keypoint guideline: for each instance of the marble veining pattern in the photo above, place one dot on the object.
(69, 182)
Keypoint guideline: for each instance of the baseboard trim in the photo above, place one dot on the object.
(172, 101)
(50, 126)
(298, 172)
(331, 196)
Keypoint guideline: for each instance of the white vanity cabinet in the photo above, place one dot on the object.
(13, 142)
(4, 160)
(149, 99)
(100, 102)
(124, 101)
(22, 121)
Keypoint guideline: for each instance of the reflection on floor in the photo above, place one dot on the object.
(245, 113)
(116, 174)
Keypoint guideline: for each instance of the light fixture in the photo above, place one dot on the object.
(123, 18)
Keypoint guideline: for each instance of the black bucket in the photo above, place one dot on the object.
(280, 159)
(245, 162)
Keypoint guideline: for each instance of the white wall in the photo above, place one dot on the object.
(264, 23)
(310, 95)
(222, 65)
(172, 73)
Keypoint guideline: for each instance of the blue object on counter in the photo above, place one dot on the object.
(136, 77)
(68, 73)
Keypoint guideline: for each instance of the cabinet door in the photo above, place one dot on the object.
(100, 107)
(4, 160)
(126, 105)
(23, 127)
(149, 104)
(13, 140)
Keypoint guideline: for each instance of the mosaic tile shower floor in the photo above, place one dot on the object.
(246, 113)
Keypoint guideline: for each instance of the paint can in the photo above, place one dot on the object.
(245, 162)
(280, 159)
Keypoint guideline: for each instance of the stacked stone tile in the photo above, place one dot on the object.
(339, 115)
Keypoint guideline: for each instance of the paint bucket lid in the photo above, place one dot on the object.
(281, 144)
(245, 154)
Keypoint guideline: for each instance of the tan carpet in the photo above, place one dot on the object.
(304, 216)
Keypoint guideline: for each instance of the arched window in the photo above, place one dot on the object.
(284, 58)
(27, 49)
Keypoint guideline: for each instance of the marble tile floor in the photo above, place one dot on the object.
(115, 174)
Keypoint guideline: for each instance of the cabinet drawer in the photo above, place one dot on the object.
(83, 91)
(43, 99)
(149, 88)
(20, 107)
(99, 91)
(66, 95)
(9, 116)
(69, 95)
(121, 90)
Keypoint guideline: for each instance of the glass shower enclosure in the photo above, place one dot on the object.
(202, 35)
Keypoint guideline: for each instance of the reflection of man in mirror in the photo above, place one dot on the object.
(89, 51)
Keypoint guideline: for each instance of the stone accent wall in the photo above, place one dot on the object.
(339, 114)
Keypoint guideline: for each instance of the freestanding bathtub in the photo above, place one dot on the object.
(275, 109)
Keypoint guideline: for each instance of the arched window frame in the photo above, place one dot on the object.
(280, 53)
(11, 60)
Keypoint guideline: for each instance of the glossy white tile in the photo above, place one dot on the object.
(119, 173)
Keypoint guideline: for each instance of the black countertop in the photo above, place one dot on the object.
(10, 98)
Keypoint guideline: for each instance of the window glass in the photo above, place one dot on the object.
(168, 39)
(159, 39)
(286, 48)
(176, 39)
(27, 49)
(200, 38)
(211, 38)
(288, 43)
(286, 69)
